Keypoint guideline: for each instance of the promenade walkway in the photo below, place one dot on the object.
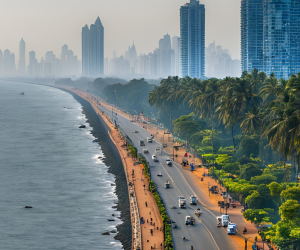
(147, 224)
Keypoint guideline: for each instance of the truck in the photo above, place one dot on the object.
(182, 202)
(142, 143)
(158, 150)
(189, 220)
(225, 220)
(167, 183)
(193, 200)
(231, 229)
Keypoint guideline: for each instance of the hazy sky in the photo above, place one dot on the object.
(49, 24)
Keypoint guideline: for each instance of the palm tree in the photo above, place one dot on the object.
(252, 121)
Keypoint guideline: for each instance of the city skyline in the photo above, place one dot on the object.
(114, 15)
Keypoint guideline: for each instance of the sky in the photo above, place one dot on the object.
(46, 25)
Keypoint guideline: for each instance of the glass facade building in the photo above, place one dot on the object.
(192, 43)
(270, 36)
(282, 37)
(252, 35)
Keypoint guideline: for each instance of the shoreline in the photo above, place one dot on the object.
(114, 162)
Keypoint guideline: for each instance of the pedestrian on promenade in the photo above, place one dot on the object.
(146, 203)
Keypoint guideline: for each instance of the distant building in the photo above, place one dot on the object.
(12, 64)
(32, 67)
(176, 69)
(166, 53)
(22, 63)
(219, 64)
(131, 56)
(7, 62)
(192, 34)
(93, 49)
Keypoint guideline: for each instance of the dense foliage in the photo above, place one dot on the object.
(241, 127)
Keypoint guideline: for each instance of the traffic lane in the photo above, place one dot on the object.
(128, 127)
(196, 235)
(209, 217)
(180, 183)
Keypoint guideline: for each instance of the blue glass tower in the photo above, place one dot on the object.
(270, 36)
(192, 32)
(282, 37)
(252, 35)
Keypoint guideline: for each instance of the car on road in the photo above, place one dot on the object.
(189, 220)
(145, 151)
(154, 158)
(169, 162)
(142, 143)
(149, 139)
(159, 174)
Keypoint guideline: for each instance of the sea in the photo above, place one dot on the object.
(49, 163)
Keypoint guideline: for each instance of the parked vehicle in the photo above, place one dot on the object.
(231, 229)
(142, 143)
(193, 200)
(189, 220)
(182, 202)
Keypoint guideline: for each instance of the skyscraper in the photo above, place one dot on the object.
(270, 38)
(165, 53)
(93, 49)
(6, 62)
(22, 63)
(176, 59)
(281, 37)
(85, 50)
(252, 35)
(192, 34)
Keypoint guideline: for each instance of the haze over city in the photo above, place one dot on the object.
(47, 25)
(150, 124)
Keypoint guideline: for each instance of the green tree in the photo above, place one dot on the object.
(263, 179)
(289, 210)
(292, 193)
(257, 216)
(275, 189)
(232, 168)
(249, 170)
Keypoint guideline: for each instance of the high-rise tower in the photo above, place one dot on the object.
(252, 35)
(281, 37)
(192, 34)
(270, 38)
(93, 49)
(22, 63)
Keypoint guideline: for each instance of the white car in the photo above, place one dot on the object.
(145, 151)
(154, 158)
(169, 162)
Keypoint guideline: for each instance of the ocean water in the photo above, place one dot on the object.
(48, 163)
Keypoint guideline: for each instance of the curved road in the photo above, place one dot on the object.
(204, 235)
